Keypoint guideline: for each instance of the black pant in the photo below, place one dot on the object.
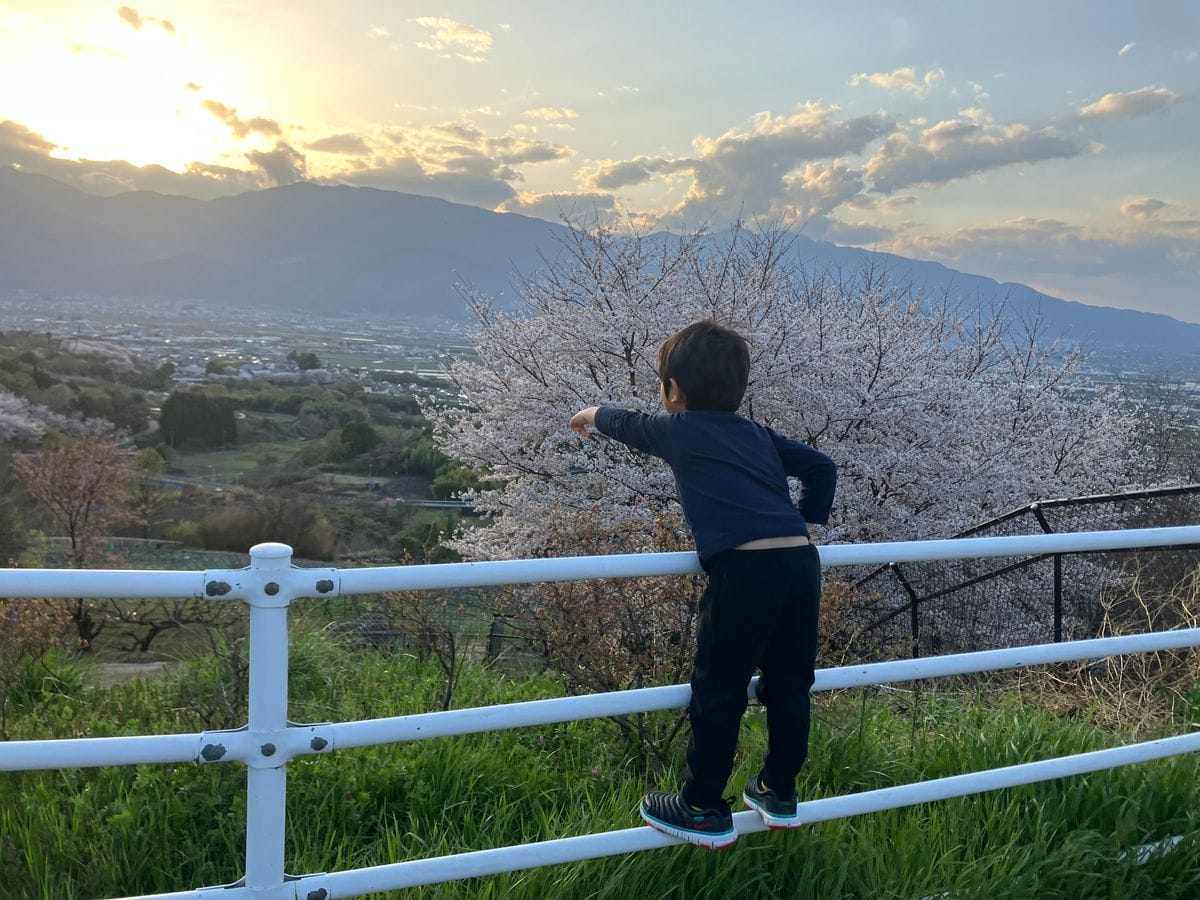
(760, 610)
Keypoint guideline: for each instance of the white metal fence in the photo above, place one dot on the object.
(268, 741)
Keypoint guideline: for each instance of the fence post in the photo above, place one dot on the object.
(266, 785)
(1058, 592)
(914, 619)
(1058, 598)
(495, 639)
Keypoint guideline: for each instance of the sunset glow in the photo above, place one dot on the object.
(1007, 142)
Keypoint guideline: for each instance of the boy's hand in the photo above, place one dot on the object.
(584, 418)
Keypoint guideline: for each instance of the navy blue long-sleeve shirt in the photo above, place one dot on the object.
(731, 473)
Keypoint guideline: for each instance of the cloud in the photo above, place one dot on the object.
(344, 144)
(97, 50)
(812, 132)
(1127, 49)
(510, 149)
(874, 201)
(478, 165)
(515, 151)
(134, 19)
(20, 145)
(557, 207)
(454, 40)
(1037, 246)
(31, 152)
(231, 180)
(131, 16)
(902, 79)
(241, 128)
(283, 165)
(771, 167)
(440, 142)
(551, 113)
(1142, 208)
(819, 188)
(621, 90)
(455, 161)
(613, 175)
(475, 182)
(378, 31)
(1142, 102)
(962, 146)
(193, 86)
(458, 131)
(979, 91)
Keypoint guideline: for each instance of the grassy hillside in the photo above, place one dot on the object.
(118, 831)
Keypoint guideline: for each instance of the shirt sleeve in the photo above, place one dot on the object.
(639, 430)
(817, 473)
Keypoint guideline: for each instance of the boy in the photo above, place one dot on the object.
(760, 607)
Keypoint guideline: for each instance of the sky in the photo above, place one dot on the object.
(1055, 144)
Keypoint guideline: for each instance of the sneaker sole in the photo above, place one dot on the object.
(773, 821)
(712, 841)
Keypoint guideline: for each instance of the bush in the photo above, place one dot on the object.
(187, 532)
(358, 438)
(451, 483)
(285, 519)
(28, 630)
(196, 416)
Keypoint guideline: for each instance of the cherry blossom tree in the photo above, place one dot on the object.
(938, 415)
(83, 484)
(22, 421)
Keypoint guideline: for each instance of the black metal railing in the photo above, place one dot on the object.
(928, 608)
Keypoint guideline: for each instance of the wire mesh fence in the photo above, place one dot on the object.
(951, 606)
(911, 609)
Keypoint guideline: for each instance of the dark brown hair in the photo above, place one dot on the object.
(709, 362)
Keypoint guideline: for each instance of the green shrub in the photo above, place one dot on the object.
(273, 517)
(188, 533)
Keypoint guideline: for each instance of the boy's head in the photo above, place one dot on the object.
(709, 362)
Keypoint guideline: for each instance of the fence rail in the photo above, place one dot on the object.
(948, 606)
(269, 741)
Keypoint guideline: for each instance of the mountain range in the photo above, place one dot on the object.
(328, 248)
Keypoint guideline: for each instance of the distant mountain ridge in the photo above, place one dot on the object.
(339, 248)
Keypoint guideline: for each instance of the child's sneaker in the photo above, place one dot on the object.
(710, 826)
(777, 810)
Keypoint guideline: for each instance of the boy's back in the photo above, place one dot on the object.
(731, 473)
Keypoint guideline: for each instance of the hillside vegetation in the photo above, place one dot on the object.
(107, 461)
(118, 831)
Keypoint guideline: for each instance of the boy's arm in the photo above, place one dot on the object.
(646, 433)
(816, 472)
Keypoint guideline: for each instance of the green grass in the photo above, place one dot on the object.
(227, 463)
(117, 831)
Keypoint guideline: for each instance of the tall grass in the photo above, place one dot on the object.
(116, 831)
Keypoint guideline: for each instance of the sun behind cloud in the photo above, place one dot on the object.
(111, 87)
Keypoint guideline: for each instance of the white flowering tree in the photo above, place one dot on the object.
(25, 422)
(937, 417)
